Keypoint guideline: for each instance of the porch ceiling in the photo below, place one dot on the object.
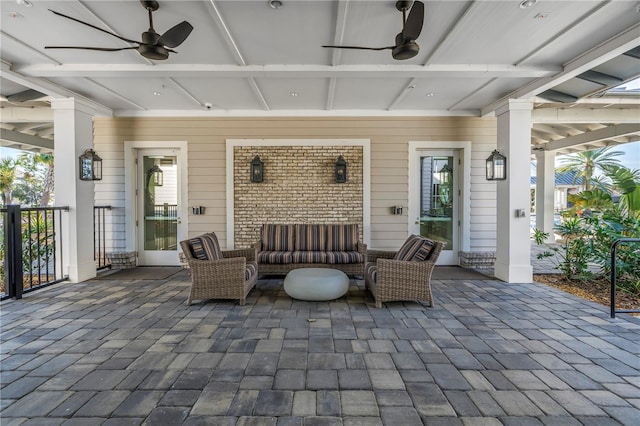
(246, 58)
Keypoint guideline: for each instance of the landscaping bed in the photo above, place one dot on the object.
(596, 290)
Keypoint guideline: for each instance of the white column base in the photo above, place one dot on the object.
(515, 274)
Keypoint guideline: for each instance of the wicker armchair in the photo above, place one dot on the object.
(396, 280)
(231, 277)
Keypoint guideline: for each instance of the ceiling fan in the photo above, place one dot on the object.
(152, 46)
(406, 46)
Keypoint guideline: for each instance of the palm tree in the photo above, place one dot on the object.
(585, 163)
(47, 161)
(7, 177)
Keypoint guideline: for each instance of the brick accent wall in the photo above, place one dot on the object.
(299, 187)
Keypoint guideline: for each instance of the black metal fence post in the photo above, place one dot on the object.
(614, 249)
(13, 251)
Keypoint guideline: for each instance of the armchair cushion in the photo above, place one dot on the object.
(251, 269)
(371, 269)
(415, 248)
(205, 247)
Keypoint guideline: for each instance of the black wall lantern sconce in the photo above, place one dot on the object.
(90, 165)
(341, 170)
(156, 175)
(445, 174)
(257, 170)
(496, 166)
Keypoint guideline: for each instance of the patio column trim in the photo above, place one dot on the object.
(366, 175)
(545, 192)
(513, 254)
(73, 122)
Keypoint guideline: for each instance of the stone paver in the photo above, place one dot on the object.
(115, 353)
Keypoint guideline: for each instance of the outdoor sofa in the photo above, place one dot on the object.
(284, 247)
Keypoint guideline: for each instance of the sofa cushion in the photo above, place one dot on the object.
(277, 237)
(309, 257)
(342, 237)
(335, 257)
(274, 257)
(371, 269)
(415, 248)
(205, 247)
(251, 269)
(310, 237)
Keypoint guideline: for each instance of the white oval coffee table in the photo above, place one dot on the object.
(316, 284)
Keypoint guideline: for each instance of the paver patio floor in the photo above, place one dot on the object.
(489, 353)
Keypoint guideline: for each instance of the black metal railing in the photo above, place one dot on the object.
(614, 249)
(99, 237)
(32, 248)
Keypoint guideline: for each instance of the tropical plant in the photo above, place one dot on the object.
(35, 185)
(586, 163)
(627, 182)
(7, 179)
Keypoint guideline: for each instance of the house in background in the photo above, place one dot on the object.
(565, 184)
(254, 81)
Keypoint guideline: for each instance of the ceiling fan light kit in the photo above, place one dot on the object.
(406, 46)
(153, 45)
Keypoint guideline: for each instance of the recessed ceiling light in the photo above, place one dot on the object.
(294, 94)
(430, 94)
(26, 3)
(526, 4)
(275, 4)
(413, 86)
(156, 93)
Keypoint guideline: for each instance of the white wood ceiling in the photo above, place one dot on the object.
(246, 58)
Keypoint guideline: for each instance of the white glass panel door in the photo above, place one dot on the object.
(436, 215)
(158, 194)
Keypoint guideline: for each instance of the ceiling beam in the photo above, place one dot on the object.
(615, 46)
(216, 15)
(13, 137)
(578, 115)
(51, 89)
(336, 55)
(594, 136)
(284, 71)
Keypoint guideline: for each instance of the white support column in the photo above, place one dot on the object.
(73, 124)
(513, 261)
(545, 192)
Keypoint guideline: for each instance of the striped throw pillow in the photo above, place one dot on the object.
(206, 247)
(415, 248)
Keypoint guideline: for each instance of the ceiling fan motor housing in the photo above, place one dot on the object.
(405, 51)
(151, 51)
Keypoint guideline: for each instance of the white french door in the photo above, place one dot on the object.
(159, 206)
(434, 210)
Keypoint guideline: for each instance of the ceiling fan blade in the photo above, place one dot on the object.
(360, 47)
(413, 26)
(174, 36)
(103, 49)
(95, 28)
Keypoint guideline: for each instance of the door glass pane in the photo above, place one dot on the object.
(436, 199)
(160, 202)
